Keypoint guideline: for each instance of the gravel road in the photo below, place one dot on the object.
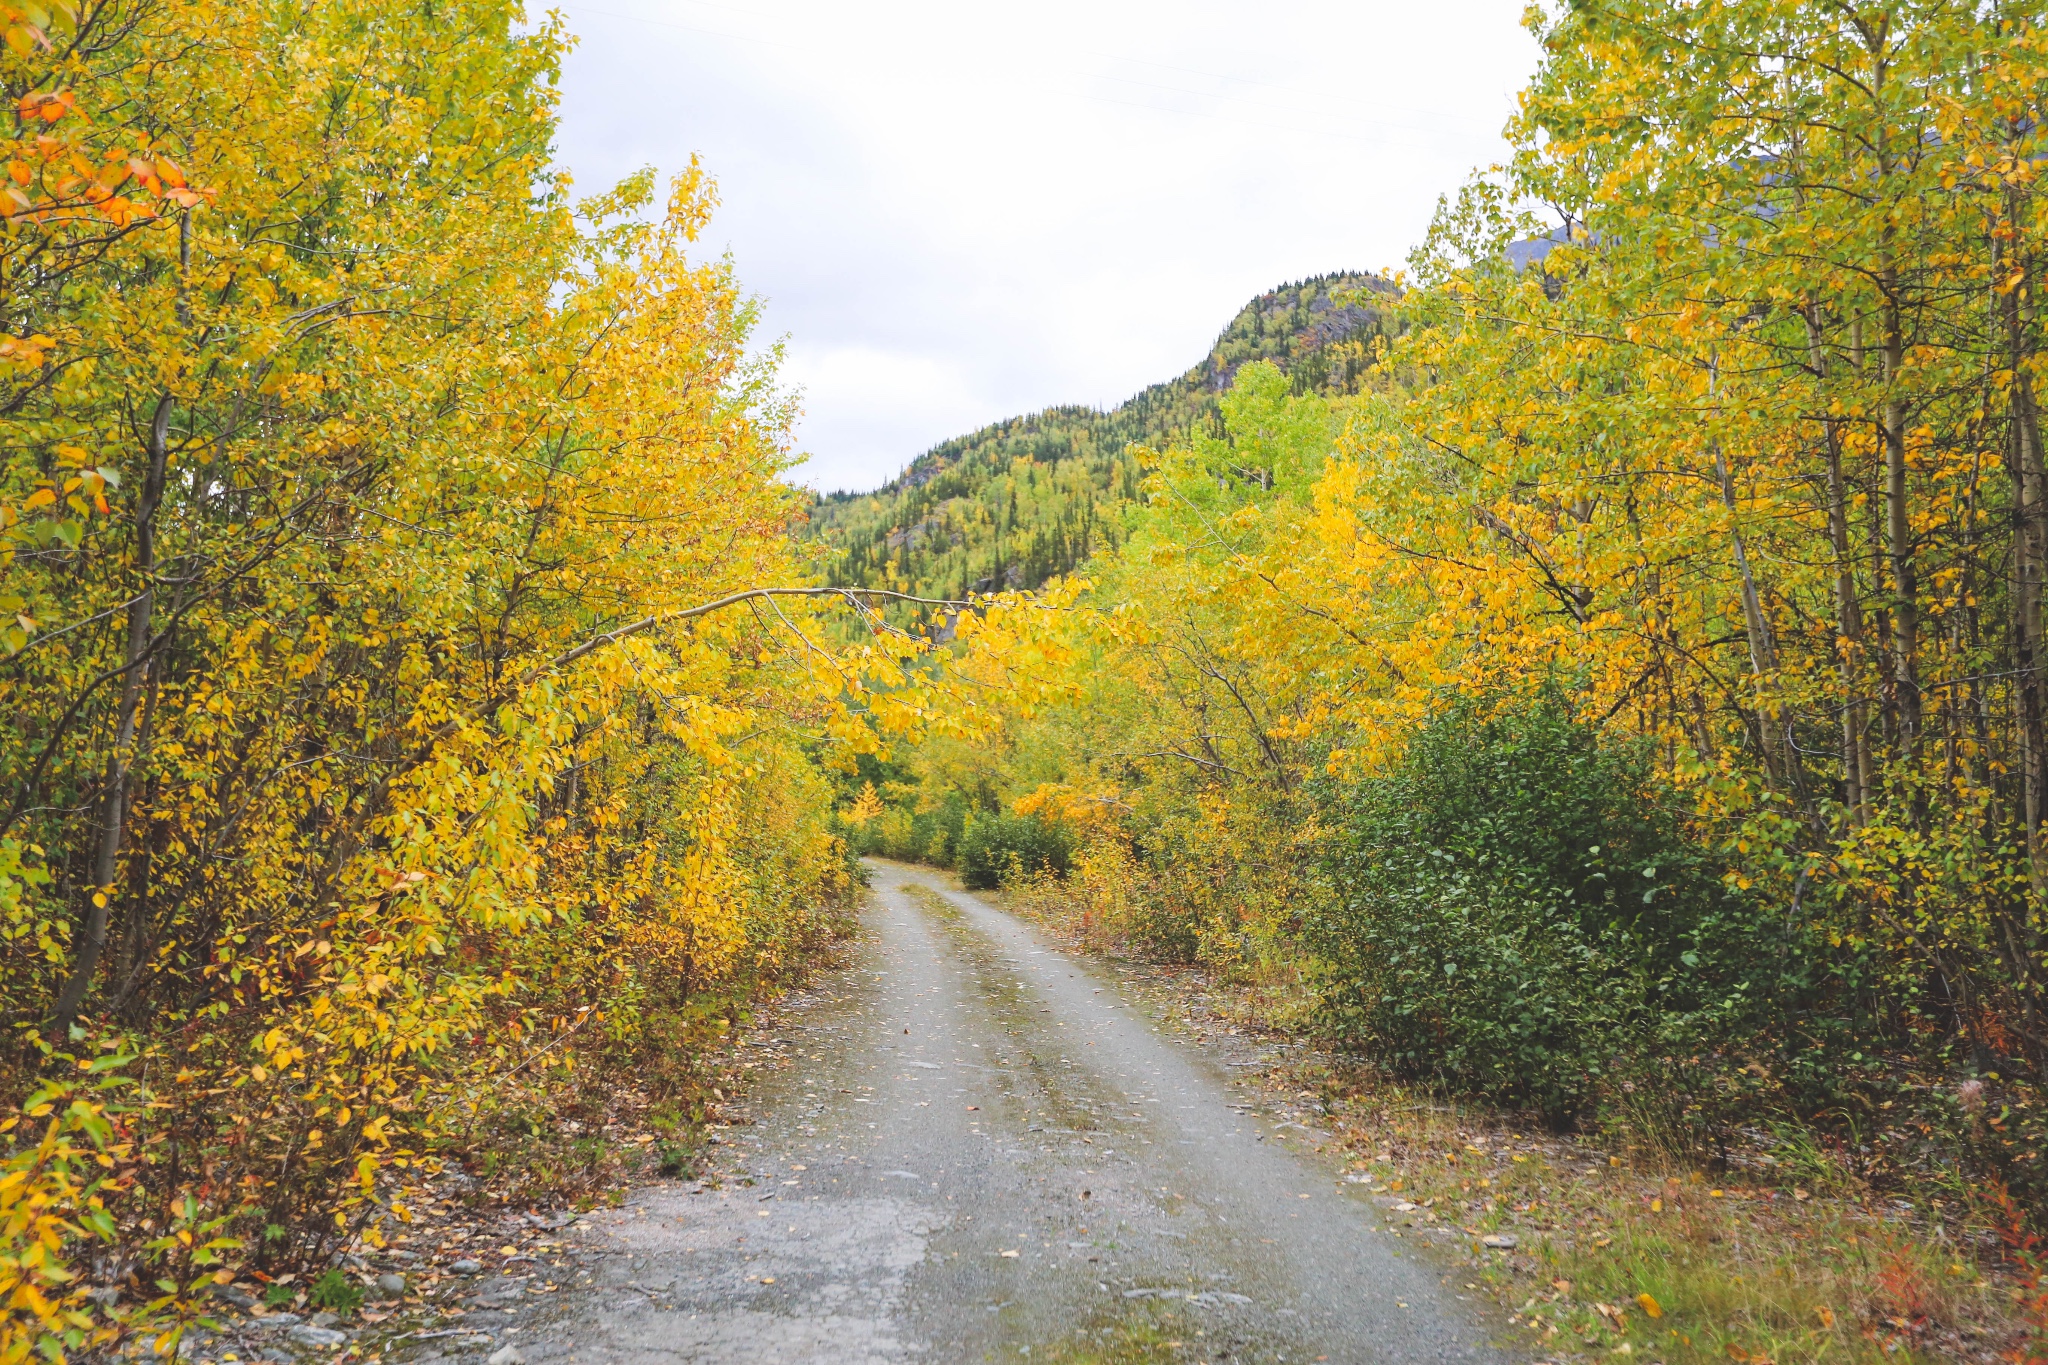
(984, 1152)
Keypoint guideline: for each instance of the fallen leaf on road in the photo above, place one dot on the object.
(1006, 1253)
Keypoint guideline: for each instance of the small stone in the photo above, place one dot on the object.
(308, 1335)
(391, 1286)
(1499, 1241)
(240, 1298)
(467, 1267)
(509, 1356)
(279, 1320)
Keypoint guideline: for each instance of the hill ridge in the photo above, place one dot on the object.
(1024, 499)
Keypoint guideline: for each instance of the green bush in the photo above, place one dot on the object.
(1520, 912)
(993, 847)
(914, 836)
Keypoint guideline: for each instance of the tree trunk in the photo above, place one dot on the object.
(1856, 775)
(1899, 532)
(85, 955)
(2030, 559)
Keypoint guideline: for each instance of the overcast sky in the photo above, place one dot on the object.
(957, 212)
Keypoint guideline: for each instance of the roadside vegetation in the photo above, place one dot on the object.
(1598, 685)
(415, 715)
(1783, 1252)
(1623, 714)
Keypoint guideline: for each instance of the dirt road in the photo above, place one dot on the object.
(984, 1152)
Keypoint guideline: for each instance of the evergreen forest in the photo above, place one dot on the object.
(1027, 500)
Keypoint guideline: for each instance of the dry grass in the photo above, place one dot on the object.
(1614, 1255)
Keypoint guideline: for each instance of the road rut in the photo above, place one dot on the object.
(985, 1152)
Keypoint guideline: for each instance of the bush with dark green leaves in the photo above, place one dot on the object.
(995, 847)
(1520, 912)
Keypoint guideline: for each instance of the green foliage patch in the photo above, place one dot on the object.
(999, 847)
(1519, 911)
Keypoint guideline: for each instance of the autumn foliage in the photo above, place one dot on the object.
(1697, 493)
(408, 690)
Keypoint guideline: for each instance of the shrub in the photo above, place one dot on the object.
(916, 836)
(1110, 901)
(336, 1292)
(1519, 911)
(994, 847)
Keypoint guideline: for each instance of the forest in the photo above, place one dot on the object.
(414, 711)
(1596, 671)
(1621, 703)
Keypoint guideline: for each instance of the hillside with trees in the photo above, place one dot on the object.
(1025, 500)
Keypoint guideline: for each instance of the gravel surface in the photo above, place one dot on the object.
(983, 1150)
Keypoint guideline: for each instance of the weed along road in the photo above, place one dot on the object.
(983, 1152)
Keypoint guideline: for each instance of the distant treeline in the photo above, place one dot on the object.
(1026, 500)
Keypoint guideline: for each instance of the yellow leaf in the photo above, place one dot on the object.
(1649, 1305)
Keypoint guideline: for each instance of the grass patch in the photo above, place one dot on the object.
(1615, 1257)
(1141, 1333)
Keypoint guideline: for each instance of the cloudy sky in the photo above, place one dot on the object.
(957, 212)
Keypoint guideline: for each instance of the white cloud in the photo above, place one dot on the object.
(959, 212)
(883, 400)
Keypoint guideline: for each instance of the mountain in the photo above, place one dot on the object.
(1027, 499)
